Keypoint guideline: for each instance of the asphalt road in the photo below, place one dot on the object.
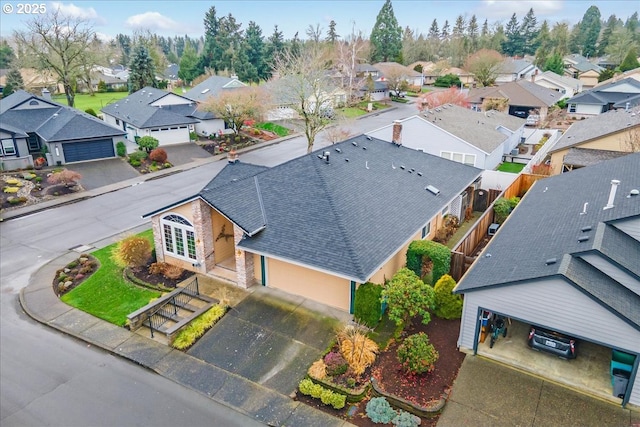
(50, 379)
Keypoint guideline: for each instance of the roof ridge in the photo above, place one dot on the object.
(339, 221)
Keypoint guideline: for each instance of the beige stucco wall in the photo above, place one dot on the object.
(612, 142)
(223, 247)
(398, 261)
(321, 287)
(184, 210)
(589, 79)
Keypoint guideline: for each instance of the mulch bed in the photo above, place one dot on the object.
(33, 190)
(142, 273)
(443, 334)
(148, 166)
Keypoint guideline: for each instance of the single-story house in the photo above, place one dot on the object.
(567, 86)
(389, 70)
(567, 260)
(474, 138)
(512, 70)
(522, 97)
(579, 67)
(32, 125)
(111, 82)
(319, 225)
(166, 116)
(365, 70)
(595, 137)
(213, 86)
(380, 91)
(618, 94)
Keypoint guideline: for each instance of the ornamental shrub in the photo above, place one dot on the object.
(416, 354)
(367, 307)
(380, 411)
(91, 112)
(408, 296)
(406, 419)
(158, 155)
(357, 349)
(503, 207)
(439, 254)
(448, 304)
(336, 364)
(328, 397)
(133, 251)
(148, 143)
(121, 149)
(65, 176)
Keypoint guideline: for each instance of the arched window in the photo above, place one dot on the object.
(179, 236)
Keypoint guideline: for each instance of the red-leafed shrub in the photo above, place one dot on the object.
(158, 155)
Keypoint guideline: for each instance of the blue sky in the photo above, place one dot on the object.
(177, 17)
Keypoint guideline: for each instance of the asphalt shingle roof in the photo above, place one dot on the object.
(588, 156)
(597, 127)
(519, 93)
(547, 224)
(212, 86)
(136, 109)
(608, 93)
(345, 216)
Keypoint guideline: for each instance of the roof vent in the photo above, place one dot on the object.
(587, 228)
(368, 137)
(355, 144)
(419, 173)
(205, 91)
(583, 238)
(364, 148)
(432, 189)
(402, 167)
(551, 261)
(346, 160)
(633, 192)
(612, 194)
(338, 150)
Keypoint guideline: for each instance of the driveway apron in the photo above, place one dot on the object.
(268, 341)
(100, 173)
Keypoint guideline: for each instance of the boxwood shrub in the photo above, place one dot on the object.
(367, 307)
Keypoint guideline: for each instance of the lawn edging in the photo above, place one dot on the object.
(353, 395)
(400, 403)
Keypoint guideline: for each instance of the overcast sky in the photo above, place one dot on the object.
(169, 18)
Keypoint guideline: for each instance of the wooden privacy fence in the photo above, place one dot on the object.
(462, 254)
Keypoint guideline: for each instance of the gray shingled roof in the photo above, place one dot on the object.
(597, 127)
(346, 217)
(557, 78)
(476, 128)
(213, 86)
(589, 156)
(519, 93)
(547, 224)
(607, 94)
(514, 66)
(136, 109)
(55, 123)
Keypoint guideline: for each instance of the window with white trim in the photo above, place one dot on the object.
(467, 159)
(178, 236)
(426, 230)
(7, 148)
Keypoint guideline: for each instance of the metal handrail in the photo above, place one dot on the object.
(182, 297)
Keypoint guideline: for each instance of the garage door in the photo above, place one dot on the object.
(88, 150)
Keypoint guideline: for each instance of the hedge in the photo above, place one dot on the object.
(328, 397)
(439, 254)
(367, 307)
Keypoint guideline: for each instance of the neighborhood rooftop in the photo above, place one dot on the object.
(346, 212)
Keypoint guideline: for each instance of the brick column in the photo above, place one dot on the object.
(157, 238)
(244, 261)
(203, 228)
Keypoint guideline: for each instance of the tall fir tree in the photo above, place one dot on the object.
(211, 26)
(529, 33)
(332, 35)
(610, 27)
(188, 64)
(13, 83)
(275, 45)
(590, 29)
(472, 33)
(544, 43)
(386, 36)
(513, 44)
(255, 50)
(630, 61)
(142, 70)
(554, 63)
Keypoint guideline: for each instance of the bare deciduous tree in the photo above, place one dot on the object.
(349, 54)
(237, 106)
(304, 85)
(396, 79)
(485, 65)
(630, 140)
(341, 131)
(60, 44)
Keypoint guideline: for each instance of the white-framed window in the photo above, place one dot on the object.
(572, 108)
(178, 237)
(467, 159)
(7, 148)
(426, 230)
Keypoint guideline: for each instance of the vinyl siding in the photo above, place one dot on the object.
(555, 304)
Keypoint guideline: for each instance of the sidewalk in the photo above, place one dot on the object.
(265, 405)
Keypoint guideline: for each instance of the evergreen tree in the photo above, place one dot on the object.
(275, 45)
(497, 38)
(560, 38)
(124, 43)
(188, 65)
(544, 43)
(255, 50)
(211, 26)
(434, 31)
(445, 33)
(610, 27)
(13, 83)
(227, 42)
(554, 63)
(6, 54)
(529, 33)
(141, 69)
(472, 32)
(513, 45)
(332, 35)
(386, 36)
(295, 45)
(632, 25)
(590, 31)
(630, 61)
(485, 36)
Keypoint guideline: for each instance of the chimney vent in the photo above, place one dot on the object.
(397, 132)
(612, 194)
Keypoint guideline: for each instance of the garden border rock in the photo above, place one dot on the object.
(400, 403)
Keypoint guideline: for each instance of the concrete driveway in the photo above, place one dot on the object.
(268, 339)
(98, 173)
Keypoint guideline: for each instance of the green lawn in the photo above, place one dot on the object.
(272, 127)
(351, 112)
(511, 167)
(106, 294)
(97, 101)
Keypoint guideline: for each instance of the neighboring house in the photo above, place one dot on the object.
(458, 134)
(567, 86)
(431, 74)
(617, 94)
(163, 115)
(635, 74)
(592, 140)
(170, 74)
(112, 83)
(379, 92)
(316, 226)
(566, 259)
(365, 70)
(213, 86)
(34, 81)
(29, 124)
(579, 67)
(522, 97)
(393, 69)
(512, 70)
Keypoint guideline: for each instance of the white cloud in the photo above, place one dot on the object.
(153, 21)
(72, 11)
(503, 9)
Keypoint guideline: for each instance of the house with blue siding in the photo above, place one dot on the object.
(567, 259)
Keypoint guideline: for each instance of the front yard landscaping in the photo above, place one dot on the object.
(22, 188)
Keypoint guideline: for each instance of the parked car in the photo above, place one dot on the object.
(532, 120)
(552, 342)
